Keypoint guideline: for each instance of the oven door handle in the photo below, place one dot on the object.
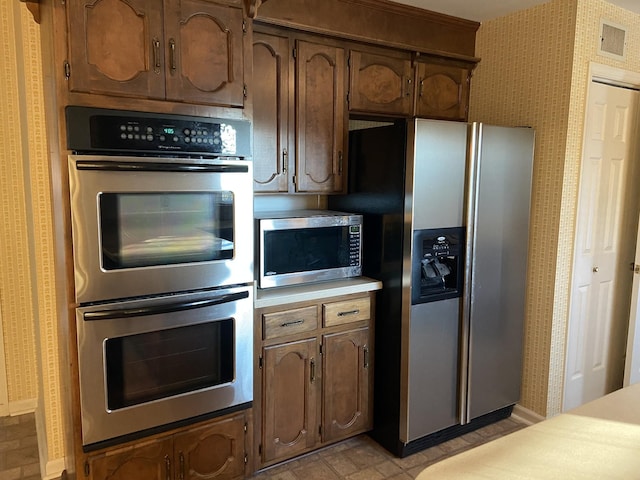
(166, 308)
(158, 167)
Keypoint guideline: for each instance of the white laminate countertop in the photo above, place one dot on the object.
(600, 440)
(270, 297)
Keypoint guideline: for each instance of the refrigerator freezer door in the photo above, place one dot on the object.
(499, 231)
(435, 172)
(433, 368)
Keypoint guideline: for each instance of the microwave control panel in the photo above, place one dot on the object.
(354, 245)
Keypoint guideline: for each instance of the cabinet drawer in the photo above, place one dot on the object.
(338, 313)
(289, 322)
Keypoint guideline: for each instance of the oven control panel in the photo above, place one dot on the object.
(102, 130)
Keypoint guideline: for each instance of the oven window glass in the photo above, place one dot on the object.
(306, 249)
(159, 228)
(150, 366)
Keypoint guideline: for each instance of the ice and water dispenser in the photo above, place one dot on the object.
(437, 264)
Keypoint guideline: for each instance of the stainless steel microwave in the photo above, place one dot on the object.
(304, 246)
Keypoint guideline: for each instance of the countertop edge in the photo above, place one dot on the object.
(317, 291)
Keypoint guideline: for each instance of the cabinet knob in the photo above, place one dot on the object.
(596, 269)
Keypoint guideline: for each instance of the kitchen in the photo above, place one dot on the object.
(540, 369)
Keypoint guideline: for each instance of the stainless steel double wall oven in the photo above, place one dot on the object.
(162, 224)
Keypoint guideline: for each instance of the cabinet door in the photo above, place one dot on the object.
(152, 461)
(443, 91)
(380, 84)
(347, 377)
(115, 47)
(214, 451)
(271, 112)
(291, 379)
(204, 43)
(320, 118)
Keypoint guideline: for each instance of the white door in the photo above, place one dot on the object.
(632, 363)
(600, 292)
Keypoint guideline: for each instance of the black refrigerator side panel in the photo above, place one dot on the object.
(376, 189)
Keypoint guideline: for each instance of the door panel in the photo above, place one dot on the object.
(290, 391)
(598, 317)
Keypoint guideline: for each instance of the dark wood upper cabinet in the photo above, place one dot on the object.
(205, 45)
(380, 84)
(443, 91)
(188, 50)
(321, 133)
(272, 112)
(300, 115)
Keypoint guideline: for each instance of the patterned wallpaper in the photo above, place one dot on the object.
(534, 71)
(27, 288)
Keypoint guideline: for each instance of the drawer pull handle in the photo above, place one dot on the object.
(349, 312)
(312, 369)
(291, 324)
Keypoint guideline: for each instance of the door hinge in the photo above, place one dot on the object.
(246, 427)
(244, 27)
(260, 449)
(246, 458)
(635, 268)
(244, 90)
(67, 70)
(87, 469)
(348, 98)
(260, 362)
(320, 349)
(295, 53)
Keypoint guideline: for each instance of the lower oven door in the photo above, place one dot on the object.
(147, 364)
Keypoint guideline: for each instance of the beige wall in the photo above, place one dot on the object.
(534, 71)
(27, 285)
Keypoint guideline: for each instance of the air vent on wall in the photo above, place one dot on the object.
(613, 40)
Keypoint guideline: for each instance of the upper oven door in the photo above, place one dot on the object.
(146, 226)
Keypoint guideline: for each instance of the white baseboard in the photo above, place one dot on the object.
(21, 407)
(53, 469)
(49, 469)
(527, 416)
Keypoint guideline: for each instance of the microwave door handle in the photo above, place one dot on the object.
(115, 166)
(167, 308)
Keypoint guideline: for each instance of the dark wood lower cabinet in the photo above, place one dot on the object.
(314, 380)
(216, 450)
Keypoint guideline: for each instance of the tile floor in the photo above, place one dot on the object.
(19, 448)
(361, 458)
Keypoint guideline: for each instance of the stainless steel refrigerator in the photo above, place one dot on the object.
(446, 221)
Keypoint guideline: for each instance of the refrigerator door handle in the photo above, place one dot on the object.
(473, 172)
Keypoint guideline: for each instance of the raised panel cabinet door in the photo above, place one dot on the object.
(291, 380)
(443, 91)
(320, 118)
(213, 451)
(152, 461)
(272, 106)
(380, 84)
(115, 47)
(347, 377)
(204, 45)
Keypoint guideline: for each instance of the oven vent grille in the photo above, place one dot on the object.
(613, 40)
